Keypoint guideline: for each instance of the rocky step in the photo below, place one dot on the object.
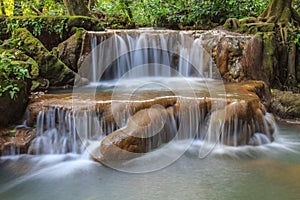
(144, 121)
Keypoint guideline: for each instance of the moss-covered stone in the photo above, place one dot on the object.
(298, 65)
(232, 24)
(248, 20)
(69, 51)
(50, 67)
(286, 104)
(253, 28)
(270, 61)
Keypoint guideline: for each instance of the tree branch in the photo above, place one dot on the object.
(37, 11)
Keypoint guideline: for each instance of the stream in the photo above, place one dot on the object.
(269, 171)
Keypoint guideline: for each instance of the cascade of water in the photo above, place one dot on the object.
(173, 49)
(61, 130)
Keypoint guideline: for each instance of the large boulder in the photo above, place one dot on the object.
(69, 50)
(145, 131)
(50, 67)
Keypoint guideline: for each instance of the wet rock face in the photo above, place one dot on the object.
(286, 104)
(238, 122)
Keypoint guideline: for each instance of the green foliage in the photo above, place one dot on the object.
(11, 71)
(37, 25)
(218, 11)
(296, 36)
(36, 7)
(186, 12)
(296, 5)
(293, 34)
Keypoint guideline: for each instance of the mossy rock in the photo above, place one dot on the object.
(248, 20)
(232, 24)
(45, 27)
(69, 50)
(253, 28)
(50, 67)
(286, 104)
(249, 25)
(118, 21)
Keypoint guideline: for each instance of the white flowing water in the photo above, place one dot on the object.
(181, 53)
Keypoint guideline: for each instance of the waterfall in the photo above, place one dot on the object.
(172, 69)
(112, 58)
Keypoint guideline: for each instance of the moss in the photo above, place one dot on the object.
(269, 53)
(69, 51)
(248, 20)
(22, 59)
(86, 23)
(50, 67)
(253, 28)
(298, 66)
(232, 24)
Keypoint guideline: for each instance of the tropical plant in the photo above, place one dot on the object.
(11, 71)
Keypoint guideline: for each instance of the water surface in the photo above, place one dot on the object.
(267, 172)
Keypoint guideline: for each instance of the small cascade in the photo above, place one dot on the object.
(61, 131)
(120, 52)
(56, 133)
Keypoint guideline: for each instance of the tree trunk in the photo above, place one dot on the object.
(292, 63)
(91, 4)
(77, 7)
(280, 12)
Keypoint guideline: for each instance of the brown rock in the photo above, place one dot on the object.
(286, 104)
(222, 58)
(15, 141)
(145, 131)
